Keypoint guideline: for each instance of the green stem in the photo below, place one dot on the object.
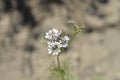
(73, 37)
(58, 61)
(59, 67)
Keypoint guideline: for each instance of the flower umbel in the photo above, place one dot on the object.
(56, 41)
(52, 34)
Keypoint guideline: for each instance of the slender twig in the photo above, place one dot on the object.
(58, 61)
(73, 37)
(59, 67)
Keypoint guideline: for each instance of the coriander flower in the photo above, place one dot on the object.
(52, 34)
(64, 42)
(56, 41)
(54, 47)
(55, 51)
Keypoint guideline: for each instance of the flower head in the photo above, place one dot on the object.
(52, 34)
(56, 41)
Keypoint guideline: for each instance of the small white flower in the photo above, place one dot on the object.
(65, 38)
(53, 34)
(56, 51)
(57, 44)
(51, 44)
(56, 41)
(65, 41)
(64, 45)
(49, 50)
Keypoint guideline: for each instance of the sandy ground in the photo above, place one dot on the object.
(94, 54)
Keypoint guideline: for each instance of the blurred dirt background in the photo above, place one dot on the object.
(94, 54)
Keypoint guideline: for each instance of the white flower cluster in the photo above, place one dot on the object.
(56, 41)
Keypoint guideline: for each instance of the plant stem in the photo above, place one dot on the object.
(73, 37)
(59, 67)
(58, 61)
